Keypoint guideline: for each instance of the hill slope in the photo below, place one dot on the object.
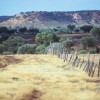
(53, 19)
(4, 18)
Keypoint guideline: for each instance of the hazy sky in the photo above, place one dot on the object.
(11, 7)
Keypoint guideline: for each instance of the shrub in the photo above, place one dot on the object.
(83, 52)
(23, 30)
(88, 42)
(4, 30)
(61, 40)
(92, 51)
(67, 43)
(77, 30)
(40, 49)
(46, 38)
(86, 28)
(27, 49)
(13, 43)
(7, 53)
(4, 36)
(96, 32)
(2, 48)
(71, 27)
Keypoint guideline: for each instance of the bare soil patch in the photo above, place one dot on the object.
(6, 60)
(36, 94)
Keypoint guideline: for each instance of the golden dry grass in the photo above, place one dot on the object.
(52, 78)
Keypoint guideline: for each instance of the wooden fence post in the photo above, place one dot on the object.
(78, 61)
(91, 65)
(71, 57)
(90, 71)
(99, 68)
(64, 55)
(67, 55)
(92, 74)
(74, 62)
(75, 59)
(87, 64)
(82, 61)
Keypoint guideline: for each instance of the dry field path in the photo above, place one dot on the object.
(45, 77)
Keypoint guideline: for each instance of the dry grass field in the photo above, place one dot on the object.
(44, 77)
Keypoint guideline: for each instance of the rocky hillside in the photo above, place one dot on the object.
(53, 19)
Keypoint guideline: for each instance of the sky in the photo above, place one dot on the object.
(12, 7)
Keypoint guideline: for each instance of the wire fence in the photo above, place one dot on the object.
(90, 65)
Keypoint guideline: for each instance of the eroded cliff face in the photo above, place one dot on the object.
(53, 19)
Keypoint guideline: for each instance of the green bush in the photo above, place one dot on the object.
(83, 52)
(67, 43)
(92, 51)
(27, 49)
(61, 40)
(7, 53)
(13, 43)
(46, 38)
(40, 49)
(88, 42)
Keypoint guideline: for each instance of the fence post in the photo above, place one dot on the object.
(67, 55)
(87, 64)
(82, 61)
(78, 61)
(94, 70)
(99, 68)
(90, 71)
(92, 65)
(64, 55)
(75, 59)
(70, 57)
(74, 63)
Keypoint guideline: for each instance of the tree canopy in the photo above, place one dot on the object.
(46, 38)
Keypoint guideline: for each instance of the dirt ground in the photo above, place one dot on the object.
(45, 77)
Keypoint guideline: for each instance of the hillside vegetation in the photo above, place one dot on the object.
(53, 19)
